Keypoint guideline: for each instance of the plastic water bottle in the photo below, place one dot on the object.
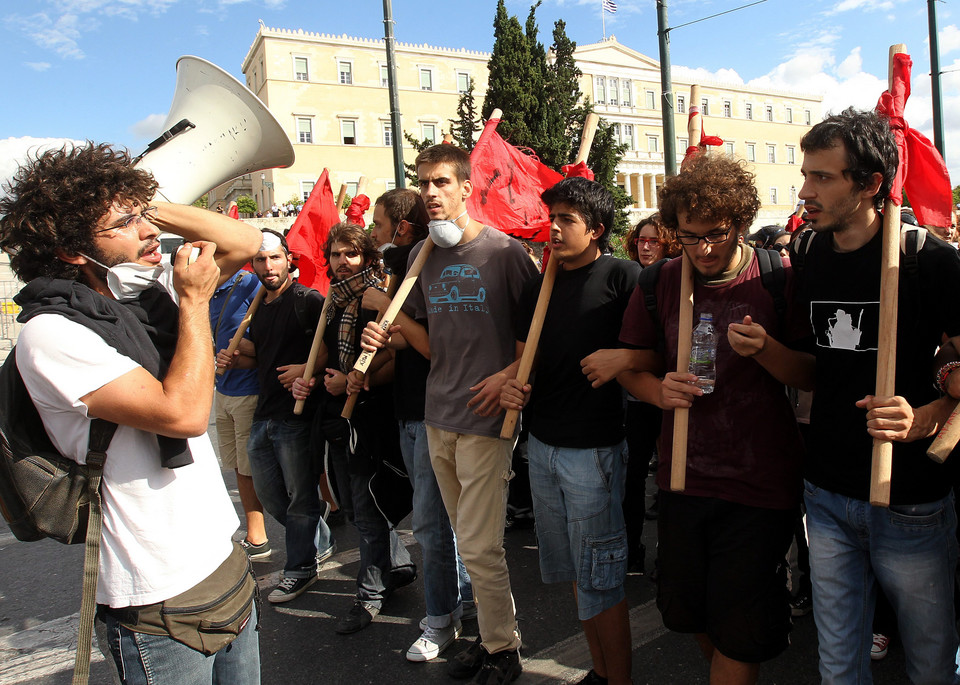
(703, 354)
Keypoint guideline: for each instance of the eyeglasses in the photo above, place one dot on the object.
(711, 238)
(646, 241)
(148, 213)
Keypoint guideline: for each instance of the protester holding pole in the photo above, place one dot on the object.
(850, 167)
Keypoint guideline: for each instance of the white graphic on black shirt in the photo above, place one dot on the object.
(845, 325)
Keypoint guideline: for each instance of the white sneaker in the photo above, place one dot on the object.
(433, 641)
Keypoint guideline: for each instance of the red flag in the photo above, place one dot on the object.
(580, 169)
(308, 235)
(234, 211)
(704, 139)
(507, 185)
(358, 205)
(922, 170)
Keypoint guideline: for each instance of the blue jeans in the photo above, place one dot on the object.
(285, 475)
(911, 550)
(446, 583)
(577, 496)
(143, 659)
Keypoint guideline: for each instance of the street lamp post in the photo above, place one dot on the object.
(269, 185)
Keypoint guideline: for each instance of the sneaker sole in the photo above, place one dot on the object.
(279, 598)
(260, 556)
(418, 657)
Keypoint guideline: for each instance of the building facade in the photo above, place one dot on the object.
(330, 94)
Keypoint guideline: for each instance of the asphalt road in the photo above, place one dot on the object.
(40, 598)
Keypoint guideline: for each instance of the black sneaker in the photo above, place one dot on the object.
(502, 667)
(801, 605)
(291, 588)
(361, 615)
(466, 664)
(592, 679)
(256, 552)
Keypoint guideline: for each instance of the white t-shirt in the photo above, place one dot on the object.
(164, 530)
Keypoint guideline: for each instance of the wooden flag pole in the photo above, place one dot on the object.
(947, 438)
(340, 196)
(311, 364)
(244, 325)
(882, 457)
(681, 415)
(546, 290)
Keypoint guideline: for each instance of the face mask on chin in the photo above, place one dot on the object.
(390, 245)
(446, 233)
(128, 279)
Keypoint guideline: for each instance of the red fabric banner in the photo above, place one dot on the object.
(580, 170)
(506, 187)
(308, 235)
(705, 140)
(234, 211)
(358, 205)
(922, 170)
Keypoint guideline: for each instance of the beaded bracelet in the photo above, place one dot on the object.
(944, 372)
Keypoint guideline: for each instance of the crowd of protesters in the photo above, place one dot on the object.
(797, 321)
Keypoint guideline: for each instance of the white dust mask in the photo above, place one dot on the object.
(446, 233)
(129, 279)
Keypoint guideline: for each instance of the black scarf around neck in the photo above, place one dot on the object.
(144, 329)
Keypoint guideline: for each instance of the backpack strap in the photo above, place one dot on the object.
(647, 282)
(300, 308)
(774, 279)
(801, 246)
(912, 239)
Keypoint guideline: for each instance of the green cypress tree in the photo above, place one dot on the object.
(510, 77)
(562, 96)
(467, 122)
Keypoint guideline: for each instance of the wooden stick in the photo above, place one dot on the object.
(311, 364)
(363, 362)
(882, 457)
(681, 415)
(341, 196)
(947, 438)
(244, 325)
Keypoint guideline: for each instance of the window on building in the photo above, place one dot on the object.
(348, 131)
(352, 187)
(727, 109)
(768, 111)
(384, 76)
(772, 154)
(748, 111)
(651, 99)
(346, 72)
(751, 152)
(426, 79)
(301, 71)
(704, 107)
(463, 82)
(628, 136)
(613, 91)
(626, 87)
(773, 196)
(653, 144)
(789, 115)
(388, 134)
(728, 147)
(806, 116)
(306, 187)
(390, 184)
(600, 90)
(682, 105)
(615, 129)
(682, 144)
(304, 130)
(791, 155)
(429, 132)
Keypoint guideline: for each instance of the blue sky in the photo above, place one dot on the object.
(105, 69)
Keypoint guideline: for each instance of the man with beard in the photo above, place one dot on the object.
(354, 266)
(285, 470)
(910, 548)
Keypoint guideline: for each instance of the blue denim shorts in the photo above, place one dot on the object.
(577, 501)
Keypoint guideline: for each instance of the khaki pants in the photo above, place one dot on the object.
(234, 416)
(473, 472)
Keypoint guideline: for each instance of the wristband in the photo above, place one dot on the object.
(945, 371)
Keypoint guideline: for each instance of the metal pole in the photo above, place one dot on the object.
(935, 78)
(397, 130)
(666, 87)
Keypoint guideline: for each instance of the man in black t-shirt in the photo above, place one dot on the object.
(285, 472)
(910, 548)
(576, 446)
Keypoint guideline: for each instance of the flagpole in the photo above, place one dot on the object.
(603, 20)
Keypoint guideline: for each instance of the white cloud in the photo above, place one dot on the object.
(701, 75)
(852, 65)
(149, 127)
(37, 66)
(949, 39)
(861, 6)
(15, 151)
(60, 35)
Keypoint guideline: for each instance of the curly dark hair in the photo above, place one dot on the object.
(666, 238)
(710, 188)
(590, 199)
(358, 238)
(870, 145)
(56, 200)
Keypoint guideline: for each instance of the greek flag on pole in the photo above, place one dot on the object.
(609, 6)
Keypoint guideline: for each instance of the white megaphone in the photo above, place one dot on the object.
(216, 130)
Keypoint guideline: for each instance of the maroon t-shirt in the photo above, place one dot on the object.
(742, 445)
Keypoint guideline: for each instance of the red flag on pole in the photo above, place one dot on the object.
(506, 187)
(358, 205)
(308, 235)
(705, 140)
(922, 170)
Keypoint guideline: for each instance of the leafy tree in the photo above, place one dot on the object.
(202, 201)
(246, 204)
(956, 195)
(467, 123)
(563, 95)
(511, 74)
(409, 170)
(295, 200)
